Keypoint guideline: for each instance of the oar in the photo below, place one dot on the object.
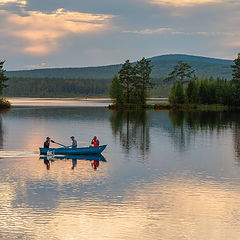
(59, 144)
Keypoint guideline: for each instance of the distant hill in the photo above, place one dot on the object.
(162, 65)
(95, 81)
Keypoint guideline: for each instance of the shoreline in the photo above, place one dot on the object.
(181, 107)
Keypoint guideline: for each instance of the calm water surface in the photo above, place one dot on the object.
(167, 175)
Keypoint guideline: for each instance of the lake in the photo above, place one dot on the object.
(164, 175)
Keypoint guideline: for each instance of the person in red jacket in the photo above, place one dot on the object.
(95, 142)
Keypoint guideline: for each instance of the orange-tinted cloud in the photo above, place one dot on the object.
(17, 2)
(42, 31)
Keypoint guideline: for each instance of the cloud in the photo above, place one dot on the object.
(229, 34)
(148, 31)
(184, 3)
(29, 33)
(17, 2)
(41, 31)
(35, 66)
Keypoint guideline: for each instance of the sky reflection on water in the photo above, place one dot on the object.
(167, 175)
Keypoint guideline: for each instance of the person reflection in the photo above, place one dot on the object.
(132, 127)
(47, 163)
(95, 164)
(74, 163)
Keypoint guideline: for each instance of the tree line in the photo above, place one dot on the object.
(55, 87)
(189, 89)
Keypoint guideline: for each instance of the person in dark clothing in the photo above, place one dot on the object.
(47, 143)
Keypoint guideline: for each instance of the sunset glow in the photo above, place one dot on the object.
(18, 2)
(39, 32)
(42, 37)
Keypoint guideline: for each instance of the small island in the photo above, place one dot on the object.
(4, 103)
(129, 90)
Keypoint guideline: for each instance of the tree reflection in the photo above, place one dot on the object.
(132, 127)
(236, 139)
(1, 130)
(187, 123)
(178, 134)
(237, 145)
(202, 120)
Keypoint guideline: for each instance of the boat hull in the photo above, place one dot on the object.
(73, 151)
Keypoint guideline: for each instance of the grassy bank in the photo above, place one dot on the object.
(167, 106)
(158, 106)
(4, 103)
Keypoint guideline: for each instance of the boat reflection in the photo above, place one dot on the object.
(94, 158)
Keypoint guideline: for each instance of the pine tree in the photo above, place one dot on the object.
(236, 80)
(179, 94)
(3, 78)
(127, 78)
(203, 92)
(192, 91)
(171, 97)
(142, 81)
(181, 73)
(116, 91)
(212, 91)
(236, 70)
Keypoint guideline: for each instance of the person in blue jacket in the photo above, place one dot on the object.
(74, 142)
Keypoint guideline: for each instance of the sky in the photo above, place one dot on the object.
(78, 33)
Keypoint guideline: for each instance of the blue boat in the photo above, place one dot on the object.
(73, 151)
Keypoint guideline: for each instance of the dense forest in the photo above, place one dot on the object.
(189, 89)
(59, 87)
(55, 87)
